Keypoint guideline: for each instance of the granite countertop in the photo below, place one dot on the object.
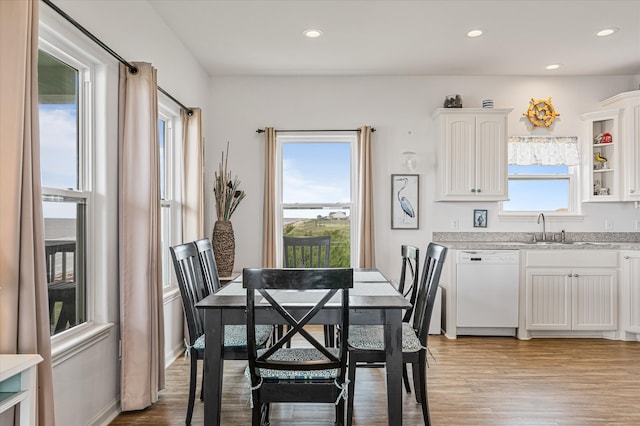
(524, 241)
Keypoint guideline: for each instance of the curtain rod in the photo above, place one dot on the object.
(99, 42)
(317, 130)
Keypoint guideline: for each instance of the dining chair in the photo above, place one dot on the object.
(208, 264)
(366, 343)
(191, 281)
(309, 252)
(307, 371)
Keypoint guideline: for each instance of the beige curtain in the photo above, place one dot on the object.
(141, 319)
(193, 182)
(24, 304)
(269, 212)
(365, 186)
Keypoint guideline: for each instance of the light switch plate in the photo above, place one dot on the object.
(608, 224)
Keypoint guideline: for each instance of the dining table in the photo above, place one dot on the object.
(372, 300)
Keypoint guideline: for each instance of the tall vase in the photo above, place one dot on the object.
(224, 247)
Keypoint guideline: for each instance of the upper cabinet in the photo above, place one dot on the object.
(472, 153)
(611, 161)
(600, 162)
(629, 128)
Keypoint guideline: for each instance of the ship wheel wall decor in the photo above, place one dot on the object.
(541, 113)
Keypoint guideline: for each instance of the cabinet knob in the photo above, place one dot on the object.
(569, 275)
(576, 275)
(473, 190)
(479, 190)
(627, 257)
(632, 191)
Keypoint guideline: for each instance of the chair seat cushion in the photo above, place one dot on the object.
(297, 354)
(371, 337)
(235, 336)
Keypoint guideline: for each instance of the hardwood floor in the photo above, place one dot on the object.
(474, 381)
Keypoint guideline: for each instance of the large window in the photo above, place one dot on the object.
(64, 111)
(168, 128)
(542, 175)
(317, 191)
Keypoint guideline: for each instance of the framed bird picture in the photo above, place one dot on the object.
(405, 201)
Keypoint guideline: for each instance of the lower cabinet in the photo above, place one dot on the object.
(631, 290)
(573, 297)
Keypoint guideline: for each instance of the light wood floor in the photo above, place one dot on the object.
(474, 381)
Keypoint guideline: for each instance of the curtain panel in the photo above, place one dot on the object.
(269, 202)
(141, 316)
(545, 151)
(365, 183)
(193, 182)
(24, 302)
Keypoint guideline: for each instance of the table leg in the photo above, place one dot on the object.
(213, 365)
(393, 349)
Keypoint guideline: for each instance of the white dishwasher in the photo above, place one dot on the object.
(487, 295)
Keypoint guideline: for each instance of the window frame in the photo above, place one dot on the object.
(318, 137)
(574, 205)
(98, 159)
(170, 113)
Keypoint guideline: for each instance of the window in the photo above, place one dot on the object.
(317, 191)
(64, 110)
(542, 175)
(168, 123)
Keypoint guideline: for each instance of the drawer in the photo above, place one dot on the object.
(572, 258)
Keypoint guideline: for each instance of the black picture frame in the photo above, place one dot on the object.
(405, 201)
(479, 218)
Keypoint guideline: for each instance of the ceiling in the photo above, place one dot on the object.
(398, 37)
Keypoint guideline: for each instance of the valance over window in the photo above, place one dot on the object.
(545, 151)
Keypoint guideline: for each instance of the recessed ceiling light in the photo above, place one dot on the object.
(476, 33)
(607, 32)
(312, 33)
(553, 66)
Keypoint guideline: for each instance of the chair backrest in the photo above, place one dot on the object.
(306, 252)
(270, 283)
(423, 308)
(192, 288)
(408, 284)
(208, 264)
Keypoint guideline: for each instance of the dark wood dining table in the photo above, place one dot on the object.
(373, 300)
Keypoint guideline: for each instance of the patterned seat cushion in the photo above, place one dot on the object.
(297, 354)
(371, 337)
(235, 336)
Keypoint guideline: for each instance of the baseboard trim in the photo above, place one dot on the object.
(107, 414)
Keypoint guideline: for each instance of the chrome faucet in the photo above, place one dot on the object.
(544, 226)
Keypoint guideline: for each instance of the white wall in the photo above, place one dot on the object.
(400, 109)
(136, 33)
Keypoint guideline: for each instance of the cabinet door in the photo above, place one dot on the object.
(548, 299)
(459, 156)
(595, 299)
(632, 152)
(491, 157)
(631, 286)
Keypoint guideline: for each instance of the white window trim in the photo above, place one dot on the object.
(316, 137)
(575, 206)
(169, 111)
(59, 38)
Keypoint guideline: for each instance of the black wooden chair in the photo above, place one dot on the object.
(309, 252)
(208, 264)
(191, 281)
(366, 343)
(307, 372)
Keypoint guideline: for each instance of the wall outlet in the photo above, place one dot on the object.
(454, 224)
(608, 224)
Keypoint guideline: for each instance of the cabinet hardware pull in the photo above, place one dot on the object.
(627, 257)
(473, 190)
(479, 190)
(569, 275)
(632, 191)
(576, 275)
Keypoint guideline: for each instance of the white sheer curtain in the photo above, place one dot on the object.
(24, 303)
(141, 316)
(545, 151)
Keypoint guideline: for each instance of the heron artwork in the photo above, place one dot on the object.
(405, 204)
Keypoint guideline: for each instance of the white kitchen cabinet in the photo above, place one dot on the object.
(629, 138)
(630, 289)
(602, 178)
(472, 153)
(571, 290)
